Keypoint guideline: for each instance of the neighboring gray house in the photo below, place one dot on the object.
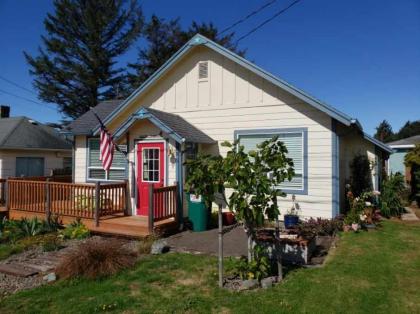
(29, 148)
(401, 148)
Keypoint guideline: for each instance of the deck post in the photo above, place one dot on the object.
(151, 205)
(97, 202)
(6, 194)
(178, 208)
(127, 198)
(47, 200)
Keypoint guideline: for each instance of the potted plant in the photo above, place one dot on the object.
(291, 219)
(228, 218)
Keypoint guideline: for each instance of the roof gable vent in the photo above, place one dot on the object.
(203, 70)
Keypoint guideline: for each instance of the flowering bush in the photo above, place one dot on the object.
(319, 226)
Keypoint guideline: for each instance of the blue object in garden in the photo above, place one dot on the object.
(291, 221)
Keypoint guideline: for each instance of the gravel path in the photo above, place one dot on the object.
(44, 262)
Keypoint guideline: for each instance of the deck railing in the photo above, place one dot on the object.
(2, 192)
(53, 178)
(91, 201)
(163, 203)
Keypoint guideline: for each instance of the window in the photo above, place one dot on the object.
(203, 71)
(95, 170)
(67, 163)
(150, 160)
(294, 140)
(29, 166)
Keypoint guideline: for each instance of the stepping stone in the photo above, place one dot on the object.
(43, 268)
(17, 270)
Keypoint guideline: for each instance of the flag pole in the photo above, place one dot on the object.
(126, 154)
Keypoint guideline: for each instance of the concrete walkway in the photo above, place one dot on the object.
(409, 215)
(206, 242)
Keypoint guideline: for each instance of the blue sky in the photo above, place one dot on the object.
(361, 56)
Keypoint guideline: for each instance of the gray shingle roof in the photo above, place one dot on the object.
(87, 121)
(24, 133)
(412, 140)
(182, 127)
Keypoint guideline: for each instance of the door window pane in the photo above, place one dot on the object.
(150, 165)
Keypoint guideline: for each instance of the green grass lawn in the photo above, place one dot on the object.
(375, 272)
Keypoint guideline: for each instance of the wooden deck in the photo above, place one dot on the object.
(118, 225)
(103, 208)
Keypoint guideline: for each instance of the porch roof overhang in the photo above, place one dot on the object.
(175, 126)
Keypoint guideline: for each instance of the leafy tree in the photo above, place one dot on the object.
(76, 67)
(412, 160)
(384, 132)
(251, 178)
(361, 175)
(164, 38)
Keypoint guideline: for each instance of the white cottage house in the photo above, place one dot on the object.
(204, 95)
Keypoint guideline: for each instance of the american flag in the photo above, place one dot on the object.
(107, 149)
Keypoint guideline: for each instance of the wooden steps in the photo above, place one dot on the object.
(17, 270)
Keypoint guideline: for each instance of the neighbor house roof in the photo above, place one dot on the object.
(24, 133)
(174, 125)
(406, 142)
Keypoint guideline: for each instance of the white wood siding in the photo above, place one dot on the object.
(232, 99)
(80, 159)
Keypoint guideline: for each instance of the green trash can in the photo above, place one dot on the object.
(197, 212)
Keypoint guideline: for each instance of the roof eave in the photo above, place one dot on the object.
(378, 143)
(201, 40)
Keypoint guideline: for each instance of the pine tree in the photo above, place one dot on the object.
(409, 129)
(164, 38)
(384, 132)
(76, 67)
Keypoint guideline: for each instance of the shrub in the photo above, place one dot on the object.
(390, 201)
(257, 268)
(75, 230)
(31, 227)
(321, 227)
(51, 242)
(52, 224)
(361, 176)
(96, 258)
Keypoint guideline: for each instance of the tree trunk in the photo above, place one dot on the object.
(250, 235)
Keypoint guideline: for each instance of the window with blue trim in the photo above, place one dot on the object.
(294, 142)
(95, 170)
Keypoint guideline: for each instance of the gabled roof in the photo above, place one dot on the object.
(24, 133)
(175, 126)
(85, 124)
(198, 40)
(406, 142)
(203, 41)
(378, 143)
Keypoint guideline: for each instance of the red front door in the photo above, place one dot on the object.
(150, 170)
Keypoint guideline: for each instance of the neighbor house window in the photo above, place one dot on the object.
(295, 141)
(30, 166)
(95, 170)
